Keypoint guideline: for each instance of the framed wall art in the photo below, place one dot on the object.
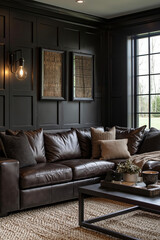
(82, 77)
(52, 74)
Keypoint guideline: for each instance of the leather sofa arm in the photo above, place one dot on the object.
(9, 186)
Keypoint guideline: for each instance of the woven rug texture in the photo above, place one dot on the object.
(60, 222)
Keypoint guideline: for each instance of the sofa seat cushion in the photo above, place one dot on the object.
(85, 168)
(44, 174)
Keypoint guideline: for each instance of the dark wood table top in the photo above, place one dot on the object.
(96, 190)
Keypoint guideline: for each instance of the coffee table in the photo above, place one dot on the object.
(140, 203)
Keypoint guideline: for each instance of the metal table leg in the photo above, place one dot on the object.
(88, 223)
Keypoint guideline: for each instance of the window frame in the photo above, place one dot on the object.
(135, 76)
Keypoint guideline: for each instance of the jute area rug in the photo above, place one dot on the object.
(60, 222)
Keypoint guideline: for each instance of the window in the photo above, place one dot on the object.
(147, 80)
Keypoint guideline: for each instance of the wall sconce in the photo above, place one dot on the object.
(17, 65)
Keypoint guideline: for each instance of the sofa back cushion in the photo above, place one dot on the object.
(1, 148)
(151, 141)
(1, 151)
(17, 147)
(84, 138)
(60, 146)
(100, 135)
(36, 142)
(134, 135)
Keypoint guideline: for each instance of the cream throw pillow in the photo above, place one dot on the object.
(100, 135)
(112, 149)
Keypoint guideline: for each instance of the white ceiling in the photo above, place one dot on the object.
(105, 8)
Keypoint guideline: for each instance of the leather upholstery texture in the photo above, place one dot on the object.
(151, 141)
(44, 174)
(84, 138)
(46, 195)
(17, 147)
(63, 145)
(86, 168)
(84, 182)
(9, 186)
(52, 182)
(36, 142)
(2, 155)
(152, 165)
(134, 135)
(53, 193)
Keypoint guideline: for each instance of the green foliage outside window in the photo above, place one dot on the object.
(156, 106)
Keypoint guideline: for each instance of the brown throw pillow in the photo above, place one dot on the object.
(60, 146)
(99, 135)
(134, 135)
(36, 142)
(17, 147)
(113, 149)
(84, 138)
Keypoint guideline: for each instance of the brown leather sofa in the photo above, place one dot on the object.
(46, 182)
(55, 179)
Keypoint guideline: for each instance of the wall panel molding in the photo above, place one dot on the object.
(71, 38)
(122, 29)
(4, 69)
(30, 30)
(47, 33)
(23, 94)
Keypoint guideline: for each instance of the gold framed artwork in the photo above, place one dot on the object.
(52, 74)
(82, 77)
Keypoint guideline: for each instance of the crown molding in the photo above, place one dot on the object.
(133, 19)
(54, 12)
(66, 15)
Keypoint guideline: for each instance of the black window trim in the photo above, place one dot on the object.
(135, 75)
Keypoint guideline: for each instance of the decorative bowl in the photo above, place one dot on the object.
(150, 177)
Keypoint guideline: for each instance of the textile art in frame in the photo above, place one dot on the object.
(52, 74)
(82, 77)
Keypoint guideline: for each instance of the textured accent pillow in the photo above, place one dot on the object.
(60, 146)
(36, 142)
(134, 136)
(99, 135)
(113, 149)
(84, 138)
(17, 147)
(151, 141)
